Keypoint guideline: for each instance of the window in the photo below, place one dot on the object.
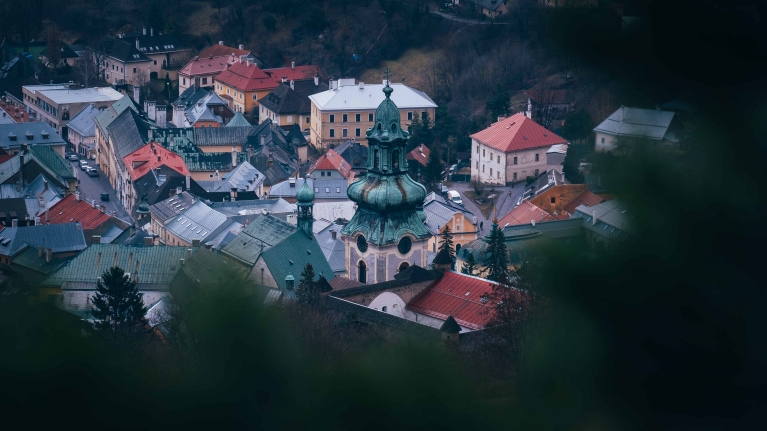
(346, 118)
(383, 309)
(483, 152)
(134, 70)
(499, 159)
(409, 115)
(536, 172)
(477, 165)
(491, 172)
(370, 117)
(477, 149)
(357, 132)
(338, 189)
(255, 96)
(362, 272)
(515, 176)
(491, 157)
(357, 117)
(327, 189)
(483, 169)
(155, 62)
(332, 118)
(423, 115)
(290, 118)
(537, 158)
(307, 120)
(515, 160)
(332, 132)
(316, 190)
(322, 173)
(344, 132)
(204, 80)
(183, 80)
(553, 200)
(603, 140)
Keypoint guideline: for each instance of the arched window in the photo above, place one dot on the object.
(383, 309)
(403, 266)
(393, 127)
(362, 270)
(457, 248)
(376, 159)
(395, 160)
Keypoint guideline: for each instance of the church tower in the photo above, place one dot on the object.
(387, 233)
(305, 203)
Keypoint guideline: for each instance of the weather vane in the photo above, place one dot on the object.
(386, 76)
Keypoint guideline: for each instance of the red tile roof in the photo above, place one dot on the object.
(246, 77)
(205, 66)
(419, 154)
(523, 214)
(459, 294)
(583, 198)
(152, 156)
(222, 50)
(332, 161)
(517, 133)
(5, 157)
(70, 210)
(17, 115)
(299, 73)
(341, 283)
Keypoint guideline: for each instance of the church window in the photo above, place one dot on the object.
(375, 159)
(362, 275)
(403, 266)
(362, 244)
(404, 245)
(395, 159)
(383, 309)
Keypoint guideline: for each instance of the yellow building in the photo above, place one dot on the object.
(347, 110)
(440, 213)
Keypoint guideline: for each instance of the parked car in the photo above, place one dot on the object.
(93, 172)
(73, 157)
(84, 165)
(455, 197)
(93, 157)
(105, 196)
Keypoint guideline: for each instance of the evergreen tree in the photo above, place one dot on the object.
(118, 305)
(433, 171)
(421, 132)
(307, 292)
(499, 104)
(498, 264)
(469, 267)
(447, 242)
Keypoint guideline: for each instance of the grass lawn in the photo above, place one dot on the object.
(485, 205)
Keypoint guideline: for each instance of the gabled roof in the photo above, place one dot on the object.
(156, 43)
(460, 295)
(523, 214)
(292, 254)
(222, 136)
(297, 73)
(151, 156)
(71, 210)
(156, 265)
(263, 232)
(257, 206)
(238, 121)
(354, 153)
(198, 222)
(637, 122)
(420, 154)
(105, 118)
(369, 96)
(205, 65)
(450, 326)
(172, 206)
(341, 283)
(129, 133)
(84, 122)
(284, 100)
(413, 274)
(13, 135)
(332, 161)
(124, 50)
(440, 211)
(244, 178)
(333, 249)
(614, 213)
(203, 110)
(585, 198)
(61, 238)
(517, 133)
(247, 78)
(29, 259)
(191, 96)
(222, 50)
(51, 160)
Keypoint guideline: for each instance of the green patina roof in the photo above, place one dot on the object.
(238, 121)
(305, 195)
(52, 160)
(387, 126)
(30, 260)
(262, 233)
(292, 254)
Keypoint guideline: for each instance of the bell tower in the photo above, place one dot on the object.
(387, 233)
(305, 204)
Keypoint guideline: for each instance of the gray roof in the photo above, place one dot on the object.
(545, 181)
(128, 134)
(38, 133)
(156, 265)
(350, 97)
(222, 136)
(226, 235)
(323, 189)
(105, 118)
(198, 222)
(171, 207)
(332, 211)
(613, 213)
(258, 206)
(84, 122)
(111, 234)
(263, 232)
(28, 258)
(203, 110)
(439, 212)
(244, 178)
(61, 238)
(333, 249)
(637, 122)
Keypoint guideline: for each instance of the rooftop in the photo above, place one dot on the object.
(83, 95)
(637, 122)
(246, 77)
(62, 238)
(369, 97)
(151, 156)
(219, 50)
(420, 154)
(263, 232)
(13, 135)
(198, 222)
(205, 65)
(332, 161)
(173, 206)
(72, 209)
(517, 133)
(84, 123)
(524, 214)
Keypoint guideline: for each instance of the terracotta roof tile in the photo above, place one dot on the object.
(299, 73)
(205, 66)
(246, 77)
(332, 161)
(222, 51)
(457, 294)
(151, 156)
(517, 133)
(523, 214)
(583, 198)
(419, 154)
(71, 210)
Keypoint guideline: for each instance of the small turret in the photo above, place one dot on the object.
(305, 203)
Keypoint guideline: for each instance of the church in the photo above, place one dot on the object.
(387, 233)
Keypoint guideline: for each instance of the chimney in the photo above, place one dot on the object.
(217, 175)
(137, 44)
(291, 85)
(263, 140)
(188, 181)
(292, 182)
(242, 58)
(532, 222)
(41, 201)
(248, 61)
(136, 91)
(292, 64)
(234, 157)
(221, 42)
(250, 152)
(151, 31)
(333, 234)
(45, 184)
(284, 78)
(144, 32)
(594, 221)
(232, 194)
(15, 222)
(40, 251)
(26, 217)
(96, 239)
(242, 47)
(189, 250)
(316, 80)
(182, 261)
(622, 109)
(148, 241)
(37, 221)
(48, 255)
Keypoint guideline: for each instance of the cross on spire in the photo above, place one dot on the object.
(386, 76)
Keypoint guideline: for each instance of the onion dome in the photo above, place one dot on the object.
(387, 192)
(387, 126)
(305, 195)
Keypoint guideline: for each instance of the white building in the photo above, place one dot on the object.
(652, 124)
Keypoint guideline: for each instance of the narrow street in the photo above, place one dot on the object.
(90, 188)
(465, 20)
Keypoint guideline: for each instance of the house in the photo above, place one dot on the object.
(289, 103)
(122, 62)
(151, 268)
(293, 145)
(105, 148)
(10, 113)
(34, 161)
(525, 213)
(324, 189)
(244, 183)
(347, 110)
(200, 107)
(279, 208)
(355, 154)
(605, 223)
(13, 136)
(636, 123)
(441, 214)
(491, 8)
(166, 52)
(31, 200)
(35, 264)
(585, 198)
(56, 105)
(417, 159)
(554, 199)
(93, 218)
(209, 63)
(157, 185)
(243, 84)
(67, 56)
(330, 166)
(144, 159)
(198, 223)
(164, 211)
(545, 181)
(332, 247)
(82, 132)
(555, 157)
(186, 100)
(59, 240)
(511, 150)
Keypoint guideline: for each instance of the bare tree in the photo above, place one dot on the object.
(53, 50)
(477, 185)
(140, 79)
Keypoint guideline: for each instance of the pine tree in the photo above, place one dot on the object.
(433, 171)
(498, 264)
(118, 305)
(447, 242)
(307, 292)
(469, 266)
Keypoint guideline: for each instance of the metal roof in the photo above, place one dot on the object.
(227, 234)
(84, 122)
(439, 212)
(61, 238)
(614, 213)
(292, 254)
(262, 233)
(333, 249)
(238, 121)
(517, 133)
(369, 96)
(244, 178)
(28, 258)
(257, 206)
(637, 122)
(332, 211)
(153, 265)
(71, 209)
(197, 222)
(83, 95)
(38, 133)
